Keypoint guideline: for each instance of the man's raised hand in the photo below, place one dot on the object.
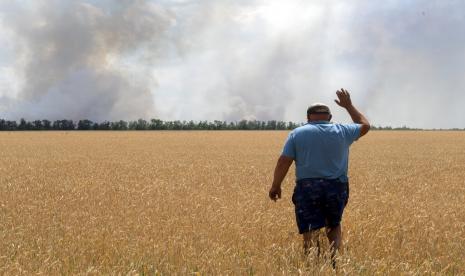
(344, 98)
(357, 116)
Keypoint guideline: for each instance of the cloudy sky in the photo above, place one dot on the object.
(403, 61)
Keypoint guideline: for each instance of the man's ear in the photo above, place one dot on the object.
(330, 117)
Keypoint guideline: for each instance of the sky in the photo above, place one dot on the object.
(402, 61)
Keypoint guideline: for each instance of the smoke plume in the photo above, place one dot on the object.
(75, 60)
(231, 60)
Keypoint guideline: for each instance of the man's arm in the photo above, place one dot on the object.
(358, 118)
(282, 167)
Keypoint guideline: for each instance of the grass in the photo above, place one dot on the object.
(195, 203)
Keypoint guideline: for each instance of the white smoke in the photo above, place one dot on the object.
(73, 59)
(256, 59)
(401, 61)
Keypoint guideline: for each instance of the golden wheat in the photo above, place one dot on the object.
(196, 203)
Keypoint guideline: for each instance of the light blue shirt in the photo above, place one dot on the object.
(321, 149)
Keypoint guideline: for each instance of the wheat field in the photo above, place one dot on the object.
(195, 203)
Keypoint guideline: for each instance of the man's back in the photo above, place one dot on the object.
(321, 149)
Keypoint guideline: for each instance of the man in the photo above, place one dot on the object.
(320, 150)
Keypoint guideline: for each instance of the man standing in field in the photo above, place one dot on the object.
(320, 150)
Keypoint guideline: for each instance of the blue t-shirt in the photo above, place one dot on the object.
(321, 149)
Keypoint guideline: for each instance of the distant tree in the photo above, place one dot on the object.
(253, 125)
(56, 125)
(84, 125)
(105, 125)
(281, 125)
(156, 124)
(138, 125)
(291, 125)
(142, 124)
(63, 125)
(191, 125)
(218, 125)
(37, 125)
(121, 125)
(242, 125)
(22, 124)
(404, 127)
(184, 125)
(271, 125)
(168, 125)
(132, 125)
(177, 125)
(3, 125)
(8, 125)
(203, 125)
(11, 125)
(46, 124)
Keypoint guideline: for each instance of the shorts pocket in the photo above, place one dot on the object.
(346, 194)
(295, 195)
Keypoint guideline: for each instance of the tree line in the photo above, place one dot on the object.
(157, 124)
(153, 124)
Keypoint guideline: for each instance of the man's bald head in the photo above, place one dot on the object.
(319, 112)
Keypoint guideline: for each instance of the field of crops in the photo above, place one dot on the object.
(195, 203)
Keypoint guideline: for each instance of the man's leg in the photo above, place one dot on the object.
(337, 197)
(334, 235)
(311, 241)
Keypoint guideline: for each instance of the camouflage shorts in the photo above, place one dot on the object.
(319, 203)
